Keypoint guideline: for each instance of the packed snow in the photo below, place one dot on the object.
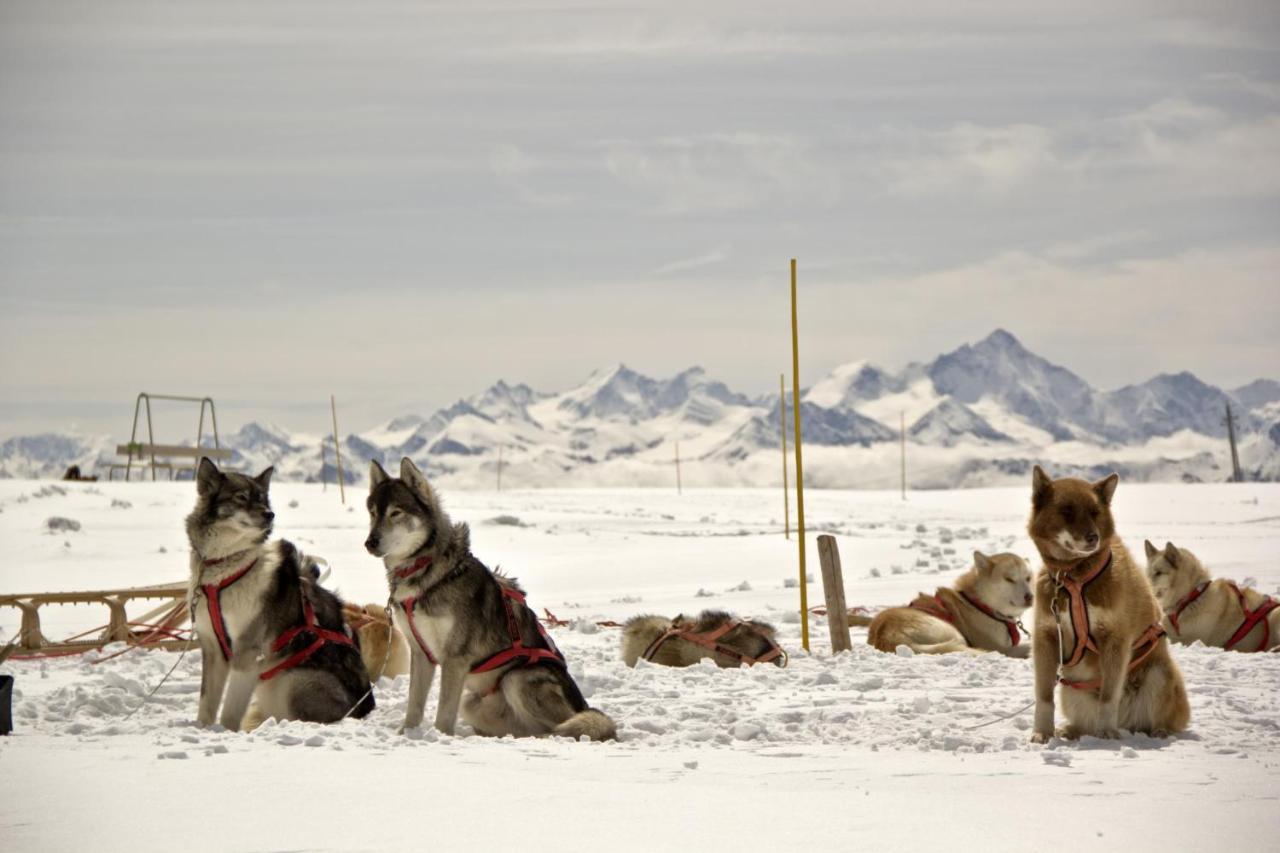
(857, 749)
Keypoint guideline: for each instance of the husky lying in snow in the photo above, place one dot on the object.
(263, 622)
(1097, 627)
(383, 648)
(471, 624)
(714, 634)
(1215, 612)
(979, 614)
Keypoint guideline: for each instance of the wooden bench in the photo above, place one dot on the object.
(160, 455)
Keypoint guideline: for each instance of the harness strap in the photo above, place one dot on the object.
(1080, 609)
(1143, 649)
(934, 606)
(1011, 625)
(408, 570)
(1183, 604)
(308, 626)
(407, 605)
(213, 600)
(1251, 619)
(518, 650)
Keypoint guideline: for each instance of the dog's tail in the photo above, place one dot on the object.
(596, 725)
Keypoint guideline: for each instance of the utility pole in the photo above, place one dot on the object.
(1230, 421)
(902, 437)
(679, 487)
(337, 449)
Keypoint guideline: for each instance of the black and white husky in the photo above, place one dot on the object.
(263, 621)
(470, 623)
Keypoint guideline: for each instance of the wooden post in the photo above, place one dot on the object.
(833, 589)
(337, 448)
(795, 407)
(786, 495)
(679, 485)
(902, 437)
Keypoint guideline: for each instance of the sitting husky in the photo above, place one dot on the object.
(1097, 628)
(1215, 612)
(469, 622)
(713, 634)
(979, 614)
(262, 620)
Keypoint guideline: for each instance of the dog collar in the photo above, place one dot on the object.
(230, 558)
(408, 570)
(1011, 625)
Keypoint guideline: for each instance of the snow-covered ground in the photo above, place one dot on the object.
(864, 749)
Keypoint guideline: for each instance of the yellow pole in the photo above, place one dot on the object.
(782, 416)
(337, 448)
(795, 407)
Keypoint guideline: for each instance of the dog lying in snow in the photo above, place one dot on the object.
(979, 614)
(384, 649)
(1097, 628)
(1215, 612)
(714, 634)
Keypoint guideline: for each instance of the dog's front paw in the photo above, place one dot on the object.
(1107, 733)
(1041, 737)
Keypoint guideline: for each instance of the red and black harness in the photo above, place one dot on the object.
(213, 597)
(517, 653)
(1252, 617)
(711, 640)
(937, 608)
(1075, 588)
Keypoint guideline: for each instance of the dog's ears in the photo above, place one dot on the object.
(1041, 487)
(1106, 487)
(982, 561)
(414, 479)
(1171, 553)
(264, 479)
(1152, 550)
(208, 477)
(377, 475)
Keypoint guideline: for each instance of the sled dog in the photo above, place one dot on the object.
(683, 641)
(383, 648)
(1215, 612)
(979, 614)
(1097, 623)
(470, 623)
(264, 624)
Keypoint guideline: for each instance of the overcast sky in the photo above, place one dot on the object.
(400, 203)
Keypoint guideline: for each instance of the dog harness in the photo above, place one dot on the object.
(1075, 588)
(308, 626)
(711, 640)
(1251, 617)
(213, 598)
(937, 608)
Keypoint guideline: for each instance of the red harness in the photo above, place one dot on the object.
(213, 598)
(1143, 647)
(936, 607)
(308, 626)
(1251, 617)
(711, 640)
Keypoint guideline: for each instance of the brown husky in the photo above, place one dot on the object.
(1215, 612)
(1097, 627)
(979, 614)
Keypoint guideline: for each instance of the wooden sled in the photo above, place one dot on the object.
(159, 628)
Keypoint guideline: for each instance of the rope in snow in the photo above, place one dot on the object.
(1025, 707)
(147, 698)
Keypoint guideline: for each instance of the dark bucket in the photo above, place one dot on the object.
(6, 704)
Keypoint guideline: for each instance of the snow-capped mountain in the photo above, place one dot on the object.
(981, 414)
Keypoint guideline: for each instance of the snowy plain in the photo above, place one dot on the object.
(863, 749)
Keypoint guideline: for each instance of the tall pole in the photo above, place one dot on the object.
(679, 487)
(1236, 476)
(902, 437)
(795, 407)
(337, 448)
(782, 417)
(499, 467)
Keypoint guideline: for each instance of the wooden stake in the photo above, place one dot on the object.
(786, 496)
(679, 486)
(795, 407)
(902, 435)
(833, 590)
(337, 448)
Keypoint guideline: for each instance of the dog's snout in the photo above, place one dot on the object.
(268, 516)
(371, 545)
(1091, 540)
(1028, 598)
